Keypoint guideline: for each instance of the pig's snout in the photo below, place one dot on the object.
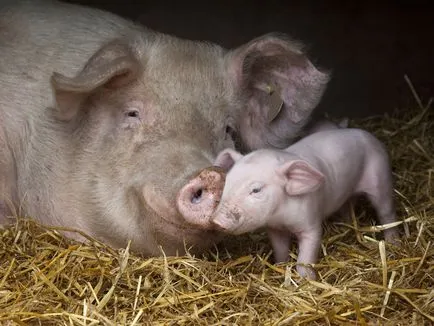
(198, 199)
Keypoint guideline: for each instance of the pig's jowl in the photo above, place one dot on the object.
(111, 128)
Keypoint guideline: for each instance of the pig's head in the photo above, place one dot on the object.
(259, 186)
(145, 119)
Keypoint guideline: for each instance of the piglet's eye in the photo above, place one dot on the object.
(256, 190)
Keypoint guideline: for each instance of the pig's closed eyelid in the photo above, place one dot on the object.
(132, 117)
(129, 109)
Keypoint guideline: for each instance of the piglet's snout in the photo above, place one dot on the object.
(225, 218)
(198, 199)
(218, 222)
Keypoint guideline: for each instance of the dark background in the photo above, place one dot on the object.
(369, 46)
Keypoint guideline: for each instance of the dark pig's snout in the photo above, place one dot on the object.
(198, 199)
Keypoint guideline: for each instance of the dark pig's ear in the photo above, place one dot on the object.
(113, 66)
(281, 87)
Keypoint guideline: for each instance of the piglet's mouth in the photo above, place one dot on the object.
(222, 226)
(226, 221)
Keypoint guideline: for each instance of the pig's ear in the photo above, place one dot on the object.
(113, 66)
(227, 158)
(281, 87)
(300, 177)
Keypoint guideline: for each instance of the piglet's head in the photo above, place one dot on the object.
(227, 216)
(249, 196)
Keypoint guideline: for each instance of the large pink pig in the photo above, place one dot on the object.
(110, 128)
(291, 192)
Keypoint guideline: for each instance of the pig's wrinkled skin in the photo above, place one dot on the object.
(292, 191)
(110, 128)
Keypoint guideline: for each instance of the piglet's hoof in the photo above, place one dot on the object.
(307, 272)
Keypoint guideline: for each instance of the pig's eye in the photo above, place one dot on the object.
(133, 113)
(131, 118)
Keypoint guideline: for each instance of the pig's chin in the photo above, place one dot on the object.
(175, 236)
(195, 237)
(172, 232)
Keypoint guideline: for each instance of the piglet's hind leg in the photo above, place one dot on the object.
(379, 191)
(385, 210)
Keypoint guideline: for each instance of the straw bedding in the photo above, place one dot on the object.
(48, 280)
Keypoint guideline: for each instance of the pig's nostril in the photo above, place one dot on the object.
(197, 200)
(197, 197)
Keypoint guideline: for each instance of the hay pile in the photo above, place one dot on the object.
(45, 279)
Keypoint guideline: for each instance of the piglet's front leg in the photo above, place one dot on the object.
(280, 241)
(309, 243)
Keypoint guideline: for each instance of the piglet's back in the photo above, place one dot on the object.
(335, 145)
(344, 156)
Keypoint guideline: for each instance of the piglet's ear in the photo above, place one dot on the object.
(227, 158)
(113, 66)
(300, 177)
(281, 87)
